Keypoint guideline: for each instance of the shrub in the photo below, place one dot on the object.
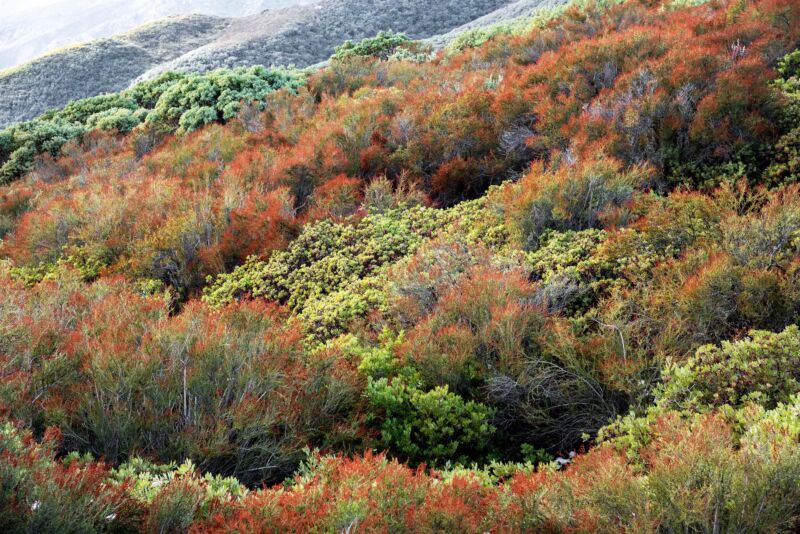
(110, 369)
(571, 198)
(383, 45)
(767, 239)
(428, 426)
(42, 494)
(761, 368)
(317, 276)
(172, 101)
(721, 299)
(196, 100)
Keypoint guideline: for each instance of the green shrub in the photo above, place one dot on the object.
(173, 101)
(763, 368)
(780, 425)
(769, 238)
(571, 273)
(327, 273)
(383, 45)
(119, 119)
(22, 142)
(785, 166)
(428, 426)
(199, 99)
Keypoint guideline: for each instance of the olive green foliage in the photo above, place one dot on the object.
(325, 273)
(763, 368)
(476, 37)
(173, 101)
(786, 160)
(781, 423)
(753, 383)
(571, 272)
(382, 46)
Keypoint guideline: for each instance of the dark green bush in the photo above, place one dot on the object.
(383, 45)
(428, 426)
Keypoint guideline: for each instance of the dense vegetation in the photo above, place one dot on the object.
(548, 280)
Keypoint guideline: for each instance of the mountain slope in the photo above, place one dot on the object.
(550, 282)
(100, 66)
(302, 36)
(311, 38)
(515, 10)
(34, 28)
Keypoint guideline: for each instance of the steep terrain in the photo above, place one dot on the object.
(515, 10)
(97, 67)
(30, 29)
(545, 281)
(300, 36)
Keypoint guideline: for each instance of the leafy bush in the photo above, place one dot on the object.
(199, 99)
(321, 267)
(428, 426)
(761, 368)
(382, 46)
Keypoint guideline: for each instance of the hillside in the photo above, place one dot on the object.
(30, 29)
(545, 280)
(514, 12)
(300, 36)
(98, 67)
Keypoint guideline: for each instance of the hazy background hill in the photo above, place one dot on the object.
(29, 28)
(301, 35)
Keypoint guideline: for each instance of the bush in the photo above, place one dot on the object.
(196, 100)
(571, 198)
(428, 426)
(762, 368)
(383, 45)
(172, 101)
(769, 238)
(119, 377)
(487, 339)
(42, 494)
(321, 268)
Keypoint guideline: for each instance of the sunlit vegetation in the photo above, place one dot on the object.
(546, 281)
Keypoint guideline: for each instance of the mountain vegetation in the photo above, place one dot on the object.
(544, 280)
